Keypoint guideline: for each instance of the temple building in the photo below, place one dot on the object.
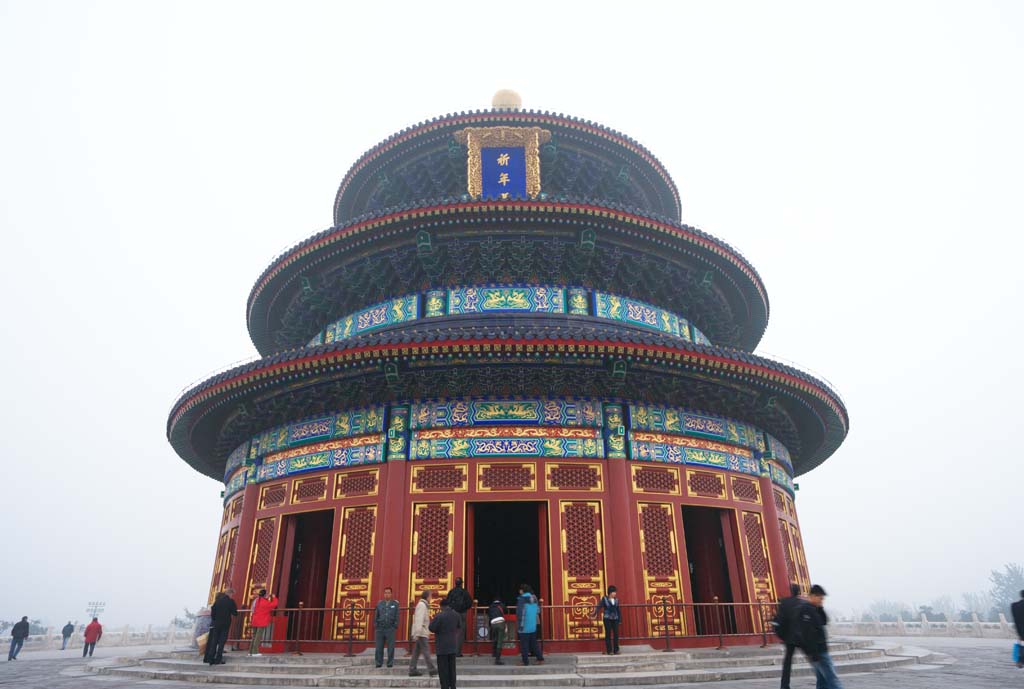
(509, 360)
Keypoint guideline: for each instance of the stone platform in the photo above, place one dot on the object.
(637, 666)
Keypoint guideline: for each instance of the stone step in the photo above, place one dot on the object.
(474, 674)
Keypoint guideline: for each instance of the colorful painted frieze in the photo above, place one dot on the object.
(506, 441)
(676, 449)
(455, 413)
(635, 313)
(391, 312)
(342, 425)
(778, 452)
(780, 476)
(398, 434)
(236, 458)
(235, 483)
(614, 432)
(579, 305)
(700, 338)
(335, 454)
(435, 303)
(490, 299)
(671, 420)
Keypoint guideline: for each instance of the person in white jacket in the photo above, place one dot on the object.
(421, 636)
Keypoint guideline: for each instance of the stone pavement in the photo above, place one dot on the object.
(981, 664)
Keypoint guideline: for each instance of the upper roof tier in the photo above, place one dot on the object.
(568, 242)
(578, 158)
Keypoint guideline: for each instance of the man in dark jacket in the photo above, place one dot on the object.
(66, 633)
(447, 628)
(813, 639)
(19, 632)
(1017, 612)
(784, 624)
(385, 622)
(460, 601)
(221, 612)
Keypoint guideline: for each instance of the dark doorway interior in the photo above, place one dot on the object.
(707, 550)
(308, 559)
(506, 550)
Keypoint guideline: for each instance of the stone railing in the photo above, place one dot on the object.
(975, 628)
(119, 636)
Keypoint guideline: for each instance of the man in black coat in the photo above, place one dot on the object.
(19, 632)
(460, 601)
(813, 639)
(784, 623)
(66, 633)
(447, 627)
(221, 612)
(1017, 612)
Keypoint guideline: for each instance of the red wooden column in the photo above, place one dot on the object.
(622, 548)
(243, 549)
(776, 553)
(393, 554)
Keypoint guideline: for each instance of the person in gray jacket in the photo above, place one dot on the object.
(385, 624)
(420, 635)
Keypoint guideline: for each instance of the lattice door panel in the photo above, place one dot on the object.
(355, 572)
(583, 568)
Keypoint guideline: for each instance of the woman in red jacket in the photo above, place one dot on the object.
(261, 609)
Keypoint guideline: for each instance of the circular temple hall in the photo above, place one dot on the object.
(508, 360)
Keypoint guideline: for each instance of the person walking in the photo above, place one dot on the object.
(784, 625)
(813, 638)
(262, 607)
(461, 602)
(385, 624)
(221, 612)
(93, 632)
(447, 628)
(611, 614)
(65, 634)
(421, 636)
(19, 632)
(1017, 612)
(496, 614)
(528, 617)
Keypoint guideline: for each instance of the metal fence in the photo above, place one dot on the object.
(662, 624)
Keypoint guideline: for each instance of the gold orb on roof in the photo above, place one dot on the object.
(506, 99)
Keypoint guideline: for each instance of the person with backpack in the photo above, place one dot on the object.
(785, 628)
(611, 614)
(496, 615)
(460, 601)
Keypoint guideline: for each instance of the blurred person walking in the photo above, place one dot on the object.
(813, 638)
(1017, 612)
(65, 634)
(19, 632)
(785, 628)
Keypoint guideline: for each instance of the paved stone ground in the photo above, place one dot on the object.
(981, 664)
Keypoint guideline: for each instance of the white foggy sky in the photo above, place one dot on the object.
(154, 158)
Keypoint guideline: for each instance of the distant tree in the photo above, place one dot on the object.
(888, 611)
(1006, 586)
(931, 614)
(943, 605)
(185, 622)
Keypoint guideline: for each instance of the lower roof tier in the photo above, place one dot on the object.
(501, 359)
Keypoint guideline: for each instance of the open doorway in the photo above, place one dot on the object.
(305, 559)
(508, 547)
(712, 555)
